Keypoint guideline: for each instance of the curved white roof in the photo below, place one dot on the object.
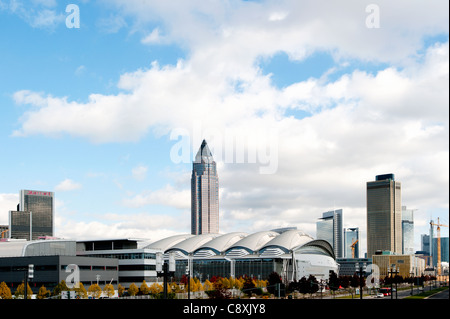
(222, 242)
(254, 242)
(189, 245)
(288, 240)
(21, 248)
(166, 243)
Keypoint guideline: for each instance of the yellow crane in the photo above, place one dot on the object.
(438, 225)
(353, 248)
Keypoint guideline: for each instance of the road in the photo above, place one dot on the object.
(440, 295)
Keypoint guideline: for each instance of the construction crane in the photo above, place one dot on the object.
(438, 225)
(353, 248)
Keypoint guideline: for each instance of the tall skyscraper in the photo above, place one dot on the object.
(351, 236)
(407, 231)
(36, 208)
(204, 193)
(384, 215)
(329, 228)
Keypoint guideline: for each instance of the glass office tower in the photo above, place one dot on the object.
(204, 193)
(384, 215)
(351, 236)
(41, 206)
(329, 228)
(408, 231)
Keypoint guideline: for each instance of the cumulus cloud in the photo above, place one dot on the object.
(357, 125)
(140, 172)
(7, 202)
(67, 185)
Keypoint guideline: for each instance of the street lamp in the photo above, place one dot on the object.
(188, 274)
(164, 269)
(361, 270)
(393, 270)
(412, 281)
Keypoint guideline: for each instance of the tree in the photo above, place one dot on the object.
(95, 291)
(273, 280)
(120, 290)
(144, 289)
(333, 281)
(313, 284)
(109, 290)
(81, 291)
(5, 292)
(43, 293)
(207, 286)
(59, 287)
(303, 285)
(156, 288)
(133, 289)
(21, 292)
(249, 286)
(219, 291)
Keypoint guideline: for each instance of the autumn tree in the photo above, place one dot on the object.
(120, 290)
(95, 291)
(133, 289)
(144, 289)
(81, 291)
(21, 292)
(5, 292)
(109, 290)
(207, 286)
(43, 293)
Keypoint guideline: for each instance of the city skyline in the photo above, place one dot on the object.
(326, 95)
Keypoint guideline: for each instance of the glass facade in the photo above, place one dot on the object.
(408, 231)
(204, 269)
(41, 206)
(204, 193)
(329, 228)
(20, 225)
(384, 216)
(351, 235)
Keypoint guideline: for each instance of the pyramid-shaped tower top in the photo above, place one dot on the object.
(204, 154)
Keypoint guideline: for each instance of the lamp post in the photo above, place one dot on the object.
(165, 270)
(393, 270)
(412, 282)
(361, 270)
(188, 274)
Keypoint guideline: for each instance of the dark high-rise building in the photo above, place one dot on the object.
(36, 208)
(204, 193)
(384, 215)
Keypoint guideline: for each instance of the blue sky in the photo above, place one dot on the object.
(91, 113)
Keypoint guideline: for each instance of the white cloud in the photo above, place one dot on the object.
(167, 196)
(40, 14)
(7, 202)
(360, 124)
(67, 185)
(140, 172)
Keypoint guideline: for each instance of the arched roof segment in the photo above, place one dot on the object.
(189, 245)
(252, 243)
(288, 240)
(166, 243)
(320, 244)
(222, 242)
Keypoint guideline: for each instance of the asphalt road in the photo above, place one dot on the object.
(440, 295)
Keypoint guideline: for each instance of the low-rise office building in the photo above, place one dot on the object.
(51, 259)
